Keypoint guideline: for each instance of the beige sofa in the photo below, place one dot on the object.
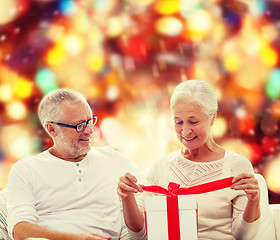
(273, 212)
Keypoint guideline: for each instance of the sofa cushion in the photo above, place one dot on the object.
(267, 229)
(3, 214)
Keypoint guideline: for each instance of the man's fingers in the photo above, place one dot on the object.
(130, 177)
(128, 187)
(128, 182)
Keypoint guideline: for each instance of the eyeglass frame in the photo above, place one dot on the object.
(76, 126)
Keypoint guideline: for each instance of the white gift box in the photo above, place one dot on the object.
(156, 217)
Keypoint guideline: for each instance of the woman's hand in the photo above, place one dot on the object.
(127, 186)
(249, 184)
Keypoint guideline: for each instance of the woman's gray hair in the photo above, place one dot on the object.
(49, 109)
(200, 92)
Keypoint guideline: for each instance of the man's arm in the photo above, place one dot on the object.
(127, 187)
(23, 230)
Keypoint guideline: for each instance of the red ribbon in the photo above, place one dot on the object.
(172, 200)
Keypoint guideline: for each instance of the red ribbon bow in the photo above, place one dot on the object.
(172, 200)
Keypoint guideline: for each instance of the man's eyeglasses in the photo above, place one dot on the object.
(80, 127)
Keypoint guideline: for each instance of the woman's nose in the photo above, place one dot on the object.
(186, 131)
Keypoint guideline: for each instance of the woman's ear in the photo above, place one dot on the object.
(50, 129)
(213, 118)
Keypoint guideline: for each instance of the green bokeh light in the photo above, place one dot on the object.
(273, 86)
(45, 80)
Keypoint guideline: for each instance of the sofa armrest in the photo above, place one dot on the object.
(3, 214)
(275, 208)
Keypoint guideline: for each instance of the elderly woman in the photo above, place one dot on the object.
(230, 213)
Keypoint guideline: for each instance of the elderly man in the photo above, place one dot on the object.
(69, 190)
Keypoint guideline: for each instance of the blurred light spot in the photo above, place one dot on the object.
(237, 146)
(273, 86)
(272, 175)
(3, 38)
(186, 6)
(8, 11)
(55, 56)
(6, 92)
(67, 7)
(100, 4)
(114, 26)
(95, 36)
(257, 7)
(167, 7)
(246, 125)
(95, 62)
(248, 78)
(170, 26)
(55, 32)
(274, 109)
(269, 56)
(23, 88)
(232, 62)
(112, 93)
(269, 125)
(269, 32)
(19, 141)
(113, 132)
(269, 144)
(45, 80)
(73, 44)
(199, 24)
(137, 3)
(256, 153)
(16, 110)
(240, 112)
(219, 127)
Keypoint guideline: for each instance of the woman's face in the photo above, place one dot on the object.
(192, 124)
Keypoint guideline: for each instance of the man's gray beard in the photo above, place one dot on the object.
(72, 147)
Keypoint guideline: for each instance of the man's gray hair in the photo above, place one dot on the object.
(198, 91)
(50, 106)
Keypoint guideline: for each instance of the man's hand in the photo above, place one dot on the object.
(127, 186)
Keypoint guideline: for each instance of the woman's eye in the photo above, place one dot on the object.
(194, 122)
(178, 123)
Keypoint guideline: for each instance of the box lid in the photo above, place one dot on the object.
(158, 203)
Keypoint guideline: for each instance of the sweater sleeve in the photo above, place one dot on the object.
(263, 227)
(240, 228)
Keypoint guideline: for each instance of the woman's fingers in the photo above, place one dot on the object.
(249, 184)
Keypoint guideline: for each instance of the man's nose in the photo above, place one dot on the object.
(89, 129)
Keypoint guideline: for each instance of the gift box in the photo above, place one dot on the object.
(173, 215)
(161, 227)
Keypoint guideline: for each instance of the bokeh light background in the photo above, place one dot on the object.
(126, 57)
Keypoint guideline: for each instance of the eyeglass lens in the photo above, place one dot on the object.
(82, 126)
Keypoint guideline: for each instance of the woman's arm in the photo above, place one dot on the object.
(250, 186)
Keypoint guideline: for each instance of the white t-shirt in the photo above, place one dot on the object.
(219, 212)
(67, 196)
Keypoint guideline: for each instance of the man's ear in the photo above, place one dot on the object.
(51, 130)
(213, 118)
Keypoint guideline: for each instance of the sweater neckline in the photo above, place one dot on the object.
(227, 152)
